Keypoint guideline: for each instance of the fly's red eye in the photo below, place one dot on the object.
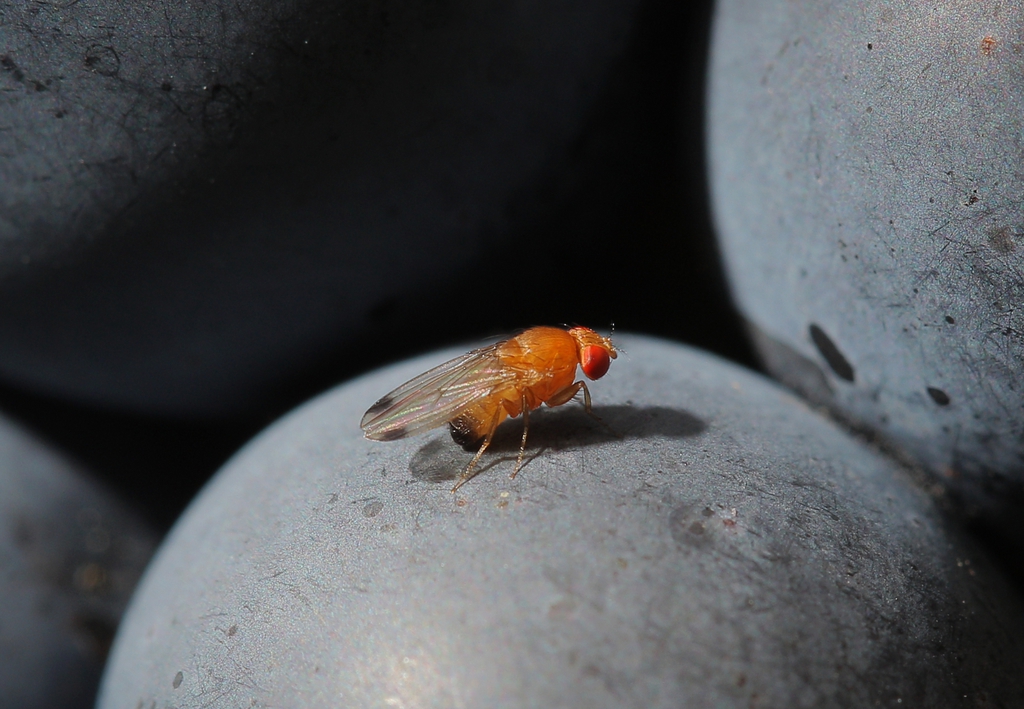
(595, 361)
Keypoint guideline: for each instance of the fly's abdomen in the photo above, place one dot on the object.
(470, 427)
(466, 432)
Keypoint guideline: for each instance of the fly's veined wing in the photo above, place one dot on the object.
(435, 397)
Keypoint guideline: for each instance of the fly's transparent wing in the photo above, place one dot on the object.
(435, 397)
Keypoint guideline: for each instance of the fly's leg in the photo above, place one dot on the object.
(566, 395)
(522, 443)
(468, 472)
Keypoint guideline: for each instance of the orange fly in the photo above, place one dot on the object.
(474, 393)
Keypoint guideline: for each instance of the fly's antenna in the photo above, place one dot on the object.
(611, 335)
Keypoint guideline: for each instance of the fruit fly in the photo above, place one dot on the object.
(474, 393)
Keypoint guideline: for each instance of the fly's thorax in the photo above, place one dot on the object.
(540, 353)
(541, 340)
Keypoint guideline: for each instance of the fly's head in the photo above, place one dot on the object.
(595, 352)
